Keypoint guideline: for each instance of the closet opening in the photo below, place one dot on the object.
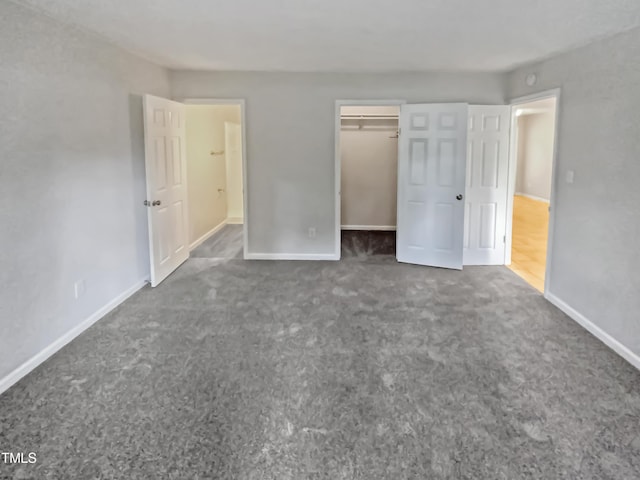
(368, 166)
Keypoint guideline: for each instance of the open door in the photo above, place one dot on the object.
(487, 184)
(431, 184)
(166, 170)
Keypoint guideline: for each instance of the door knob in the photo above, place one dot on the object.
(156, 202)
(459, 197)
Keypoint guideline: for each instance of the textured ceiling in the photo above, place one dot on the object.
(346, 35)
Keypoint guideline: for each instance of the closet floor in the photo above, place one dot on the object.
(368, 244)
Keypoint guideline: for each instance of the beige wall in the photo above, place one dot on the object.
(535, 154)
(369, 167)
(233, 156)
(206, 173)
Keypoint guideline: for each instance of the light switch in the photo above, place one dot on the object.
(569, 176)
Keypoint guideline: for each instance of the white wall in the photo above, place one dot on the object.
(596, 260)
(71, 178)
(290, 140)
(369, 167)
(535, 154)
(206, 173)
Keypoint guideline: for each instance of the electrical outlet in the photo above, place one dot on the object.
(312, 232)
(78, 289)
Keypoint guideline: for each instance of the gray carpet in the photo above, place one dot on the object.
(329, 370)
(225, 244)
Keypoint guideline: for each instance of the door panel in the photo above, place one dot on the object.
(163, 240)
(487, 178)
(161, 164)
(431, 174)
(166, 187)
(444, 236)
(179, 236)
(178, 161)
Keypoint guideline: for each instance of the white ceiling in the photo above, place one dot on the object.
(346, 35)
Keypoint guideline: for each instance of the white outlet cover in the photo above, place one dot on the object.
(78, 288)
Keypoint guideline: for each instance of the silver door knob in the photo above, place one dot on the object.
(459, 197)
(156, 202)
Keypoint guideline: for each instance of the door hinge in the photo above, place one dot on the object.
(504, 239)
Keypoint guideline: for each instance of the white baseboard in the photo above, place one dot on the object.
(532, 197)
(596, 331)
(292, 256)
(235, 221)
(386, 228)
(48, 351)
(207, 236)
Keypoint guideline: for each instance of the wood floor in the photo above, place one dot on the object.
(530, 232)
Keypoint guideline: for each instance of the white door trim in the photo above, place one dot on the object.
(245, 171)
(338, 164)
(513, 157)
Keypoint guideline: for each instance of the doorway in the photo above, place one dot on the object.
(214, 152)
(368, 161)
(533, 147)
(430, 158)
(195, 169)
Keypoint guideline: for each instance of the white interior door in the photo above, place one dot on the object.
(485, 215)
(431, 182)
(166, 172)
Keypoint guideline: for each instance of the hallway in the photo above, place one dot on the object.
(530, 232)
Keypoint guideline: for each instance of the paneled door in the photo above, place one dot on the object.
(485, 215)
(431, 184)
(166, 170)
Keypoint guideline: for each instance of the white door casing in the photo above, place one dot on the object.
(431, 184)
(166, 171)
(485, 216)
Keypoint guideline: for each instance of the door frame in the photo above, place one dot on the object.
(338, 161)
(513, 164)
(243, 122)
